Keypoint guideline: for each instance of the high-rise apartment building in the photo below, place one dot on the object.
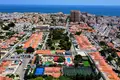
(75, 16)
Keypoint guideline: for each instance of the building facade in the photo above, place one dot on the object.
(75, 16)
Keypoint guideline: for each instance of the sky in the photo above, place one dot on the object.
(61, 2)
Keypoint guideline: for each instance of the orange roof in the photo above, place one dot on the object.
(84, 42)
(104, 67)
(3, 65)
(110, 45)
(53, 71)
(33, 40)
(4, 46)
(82, 26)
(56, 75)
(4, 78)
(60, 51)
(43, 52)
(118, 53)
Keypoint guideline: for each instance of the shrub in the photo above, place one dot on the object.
(61, 59)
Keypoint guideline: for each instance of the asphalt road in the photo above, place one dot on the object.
(12, 49)
(20, 71)
(45, 41)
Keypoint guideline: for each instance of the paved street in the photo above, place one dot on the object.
(12, 49)
(43, 46)
(20, 71)
(96, 44)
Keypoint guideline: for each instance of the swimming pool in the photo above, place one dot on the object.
(68, 60)
(39, 71)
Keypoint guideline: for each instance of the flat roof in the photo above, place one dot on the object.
(81, 53)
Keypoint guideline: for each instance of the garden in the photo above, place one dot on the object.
(58, 40)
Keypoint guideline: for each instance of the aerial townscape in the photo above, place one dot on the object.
(58, 46)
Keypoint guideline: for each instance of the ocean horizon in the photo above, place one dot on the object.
(92, 9)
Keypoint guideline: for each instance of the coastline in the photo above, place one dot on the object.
(65, 9)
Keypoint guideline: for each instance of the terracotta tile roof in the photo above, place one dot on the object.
(118, 53)
(53, 71)
(103, 66)
(33, 40)
(4, 78)
(83, 26)
(110, 45)
(6, 43)
(4, 46)
(60, 51)
(84, 42)
(3, 65)
(46, 52)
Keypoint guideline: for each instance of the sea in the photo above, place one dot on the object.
(97, 10)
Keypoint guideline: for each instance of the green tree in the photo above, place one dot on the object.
(33, 29)
(8, 75)
(11, 24)
(17, 75)
(76, 63)
(10, 33)
(49, 42)
(30, 50)
(64, 78)
(49, 78)
(11, 76)
(66, 38)
(18, 47)
(78, 33)
(37, 59)
(102, 43)
(114, 55)
(109, 58)
(38, 78)
(6, 28)
(19, 51)
(52, 48)
(61, 59)
(77, 60)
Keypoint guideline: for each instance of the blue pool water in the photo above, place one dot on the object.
(39, 71)
(68, 60)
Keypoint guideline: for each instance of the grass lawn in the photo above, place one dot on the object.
(86, 63)
(53, 51)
